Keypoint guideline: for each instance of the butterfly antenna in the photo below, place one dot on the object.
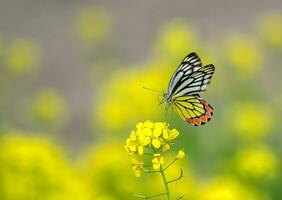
(152, 90)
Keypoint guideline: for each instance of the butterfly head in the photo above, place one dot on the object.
(166, 98)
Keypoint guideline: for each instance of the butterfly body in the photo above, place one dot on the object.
(183, 96)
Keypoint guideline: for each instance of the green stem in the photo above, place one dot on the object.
(149, 197)
(165, 183)
(170, 164)
(164, 178)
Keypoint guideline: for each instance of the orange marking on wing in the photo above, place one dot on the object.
(205, 117)
(197, 121)
(190, 121)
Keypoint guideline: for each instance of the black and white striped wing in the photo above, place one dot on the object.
(194, 83)
(188, 66)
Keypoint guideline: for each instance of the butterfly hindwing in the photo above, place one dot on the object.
(192, 109)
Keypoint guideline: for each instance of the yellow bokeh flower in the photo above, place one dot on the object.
(257, 162)
(115, 106)
(250, 120)
(157, 161)
(176, 38)
(32, 168)
(92, 24)
(180, 155)
(49, 107)
(22, 56)
(270, 28)
(225, 188)
(245, 54)
(107, 171)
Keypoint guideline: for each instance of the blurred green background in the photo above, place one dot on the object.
(71, 77)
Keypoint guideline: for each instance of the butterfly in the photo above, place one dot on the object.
(182, 95)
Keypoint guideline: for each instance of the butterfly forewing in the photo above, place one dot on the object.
(188, 66)
(195, 83)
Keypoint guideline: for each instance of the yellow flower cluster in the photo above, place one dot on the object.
(151, 139)
(149, 134)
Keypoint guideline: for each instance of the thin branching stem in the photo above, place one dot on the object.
(148, 197)
(170, 164)
(180, 177)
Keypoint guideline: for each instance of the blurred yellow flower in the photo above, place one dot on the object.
(22, 56)
(176, 39)
(32, 168)
(92, 24)
(49, 107)
(157, 161)
(225, 188)
(107, 171)
(113, 103)
(257, 162)
(137, 167)
(181, 154)
(270, 28)
(245, 54)
(250, 120)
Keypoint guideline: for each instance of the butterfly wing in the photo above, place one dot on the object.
(189, 79)
(192, 109)
(194, 83)
(188, 66)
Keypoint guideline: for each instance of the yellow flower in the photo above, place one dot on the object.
(180, 155)
(148, 124)
(137, 167)
(225, 188)
(115, 107)
(147, 131)
(270, 28)
(166, 147)
(176, 38)
(157, 161)
(22, 56)
(150, 134)
(92, 24)
(250, 122)
(156, 143)
(244, 54)
(170, 135)
(49, 107)
(257, 162)
(108, 172)
(140, 126)
(39, 167)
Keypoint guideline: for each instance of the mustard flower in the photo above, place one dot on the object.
(137, 167)
(149, 134)
(170, 135)
(181, 154)
(157, 161)
(153, 140)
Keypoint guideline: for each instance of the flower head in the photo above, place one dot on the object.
(152, 135)
(181, 154)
